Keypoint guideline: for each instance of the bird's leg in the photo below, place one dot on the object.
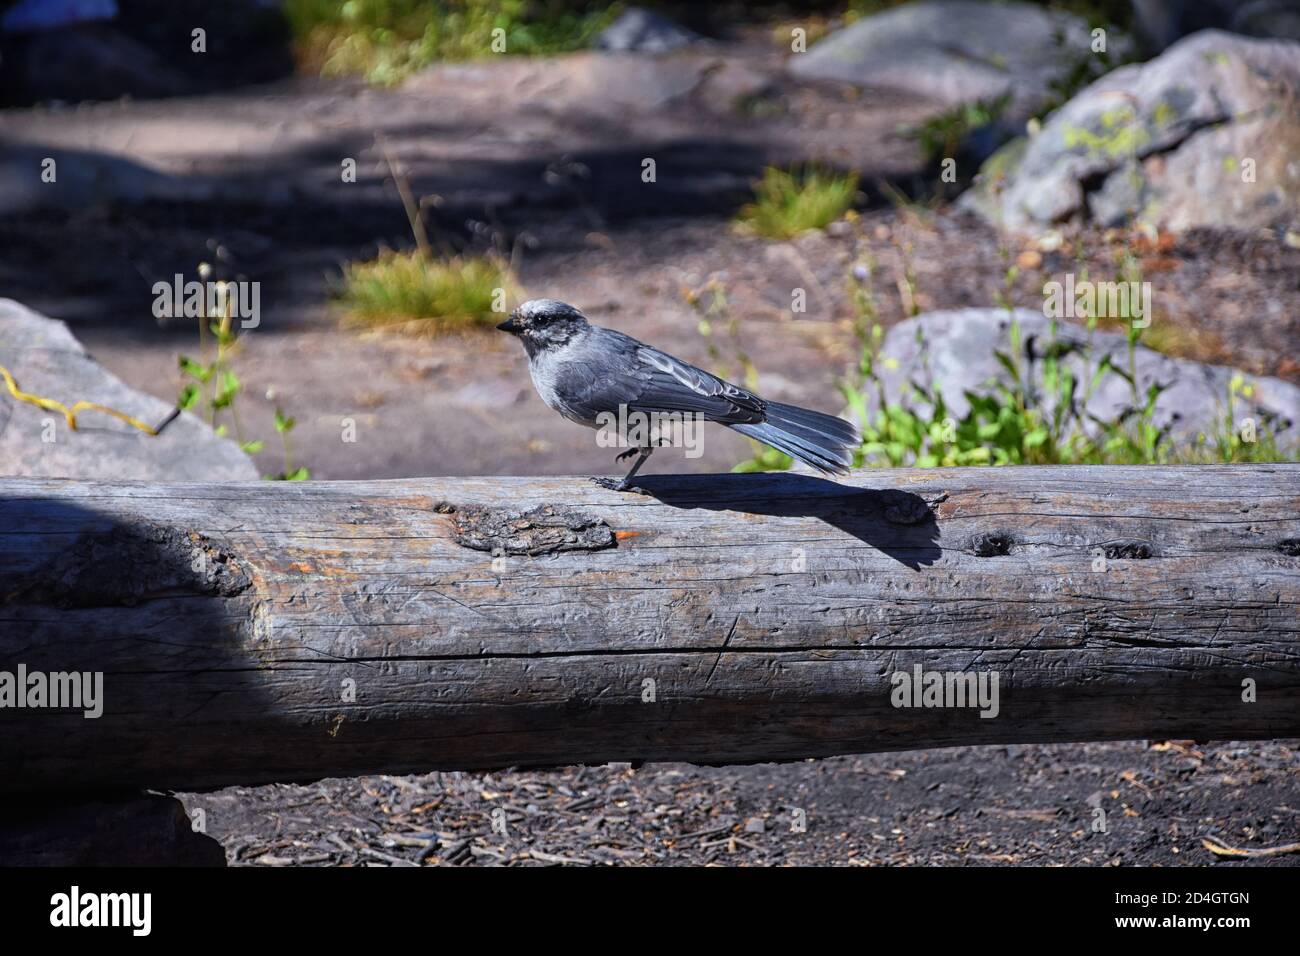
(623, 485)
(636, 466)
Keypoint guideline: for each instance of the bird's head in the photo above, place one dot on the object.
(544, 323)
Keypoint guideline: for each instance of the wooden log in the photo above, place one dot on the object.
(122, 830)
(256, 632)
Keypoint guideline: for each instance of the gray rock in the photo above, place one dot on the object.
(33, 16)
(1279, 19)
(90, 62)
(1160, 23)
(45, 359)
(84, 178)
(640, 31)
(956, 51)
(958, 349)
(81, 179)
(1164, 142)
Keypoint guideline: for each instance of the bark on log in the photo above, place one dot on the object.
(256, 632)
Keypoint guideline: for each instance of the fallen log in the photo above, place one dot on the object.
(253, 632)
(117, 830)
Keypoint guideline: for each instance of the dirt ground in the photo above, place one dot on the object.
(543, 161)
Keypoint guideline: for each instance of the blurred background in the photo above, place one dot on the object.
(759, 188)
(992, 232)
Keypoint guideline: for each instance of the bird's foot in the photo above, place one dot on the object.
(618, 484)
(625, 455)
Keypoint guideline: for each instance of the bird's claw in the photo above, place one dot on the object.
(618, 484)
(625, 455)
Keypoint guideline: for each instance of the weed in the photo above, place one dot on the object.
(424, 295)
(790, 202)
(386, 40)
(1037, 413)
(943, 136)
(214, 386)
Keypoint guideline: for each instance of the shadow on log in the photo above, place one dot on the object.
(254, 632)
(145, 830)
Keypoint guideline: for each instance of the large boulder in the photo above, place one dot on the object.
(82, 178)
(1207, 134)
(1162, 22)
(641, 31)
(957, 52)
(955, 354)
(45, 359)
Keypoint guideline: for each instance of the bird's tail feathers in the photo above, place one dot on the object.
(822, 441)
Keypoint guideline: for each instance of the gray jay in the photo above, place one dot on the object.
(586, 373)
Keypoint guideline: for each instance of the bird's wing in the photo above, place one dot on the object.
(652, 381)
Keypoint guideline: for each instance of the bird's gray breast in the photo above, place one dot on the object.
(565, 383)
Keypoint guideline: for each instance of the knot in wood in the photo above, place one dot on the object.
(133, 562)
(992, 544)
(1132, 550)
(543, 530)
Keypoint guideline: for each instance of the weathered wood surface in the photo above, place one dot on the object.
(231, 620)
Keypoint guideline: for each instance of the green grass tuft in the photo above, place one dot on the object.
(386, 40)
(790, 202)
(425, 296)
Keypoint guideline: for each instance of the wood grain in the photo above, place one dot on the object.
(230, 620)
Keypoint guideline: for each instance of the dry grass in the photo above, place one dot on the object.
(421, 295)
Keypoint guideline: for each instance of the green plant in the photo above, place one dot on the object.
(386, 40)
(1035, 414)
(214, 386)
(422, 294)
(283, 425)
(941, 137)
(788, 202)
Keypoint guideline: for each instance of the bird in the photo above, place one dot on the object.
(588, 373)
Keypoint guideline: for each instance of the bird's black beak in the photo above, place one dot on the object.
(509, 325)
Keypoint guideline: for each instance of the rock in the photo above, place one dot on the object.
(45, 359)
(755, 825)
(959, 346)
(87, 62)
(1160, 23)
(1278, 19)
(640, 31)
(957, 52)
(83, 178)
(1164, 142)
(34, 15)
